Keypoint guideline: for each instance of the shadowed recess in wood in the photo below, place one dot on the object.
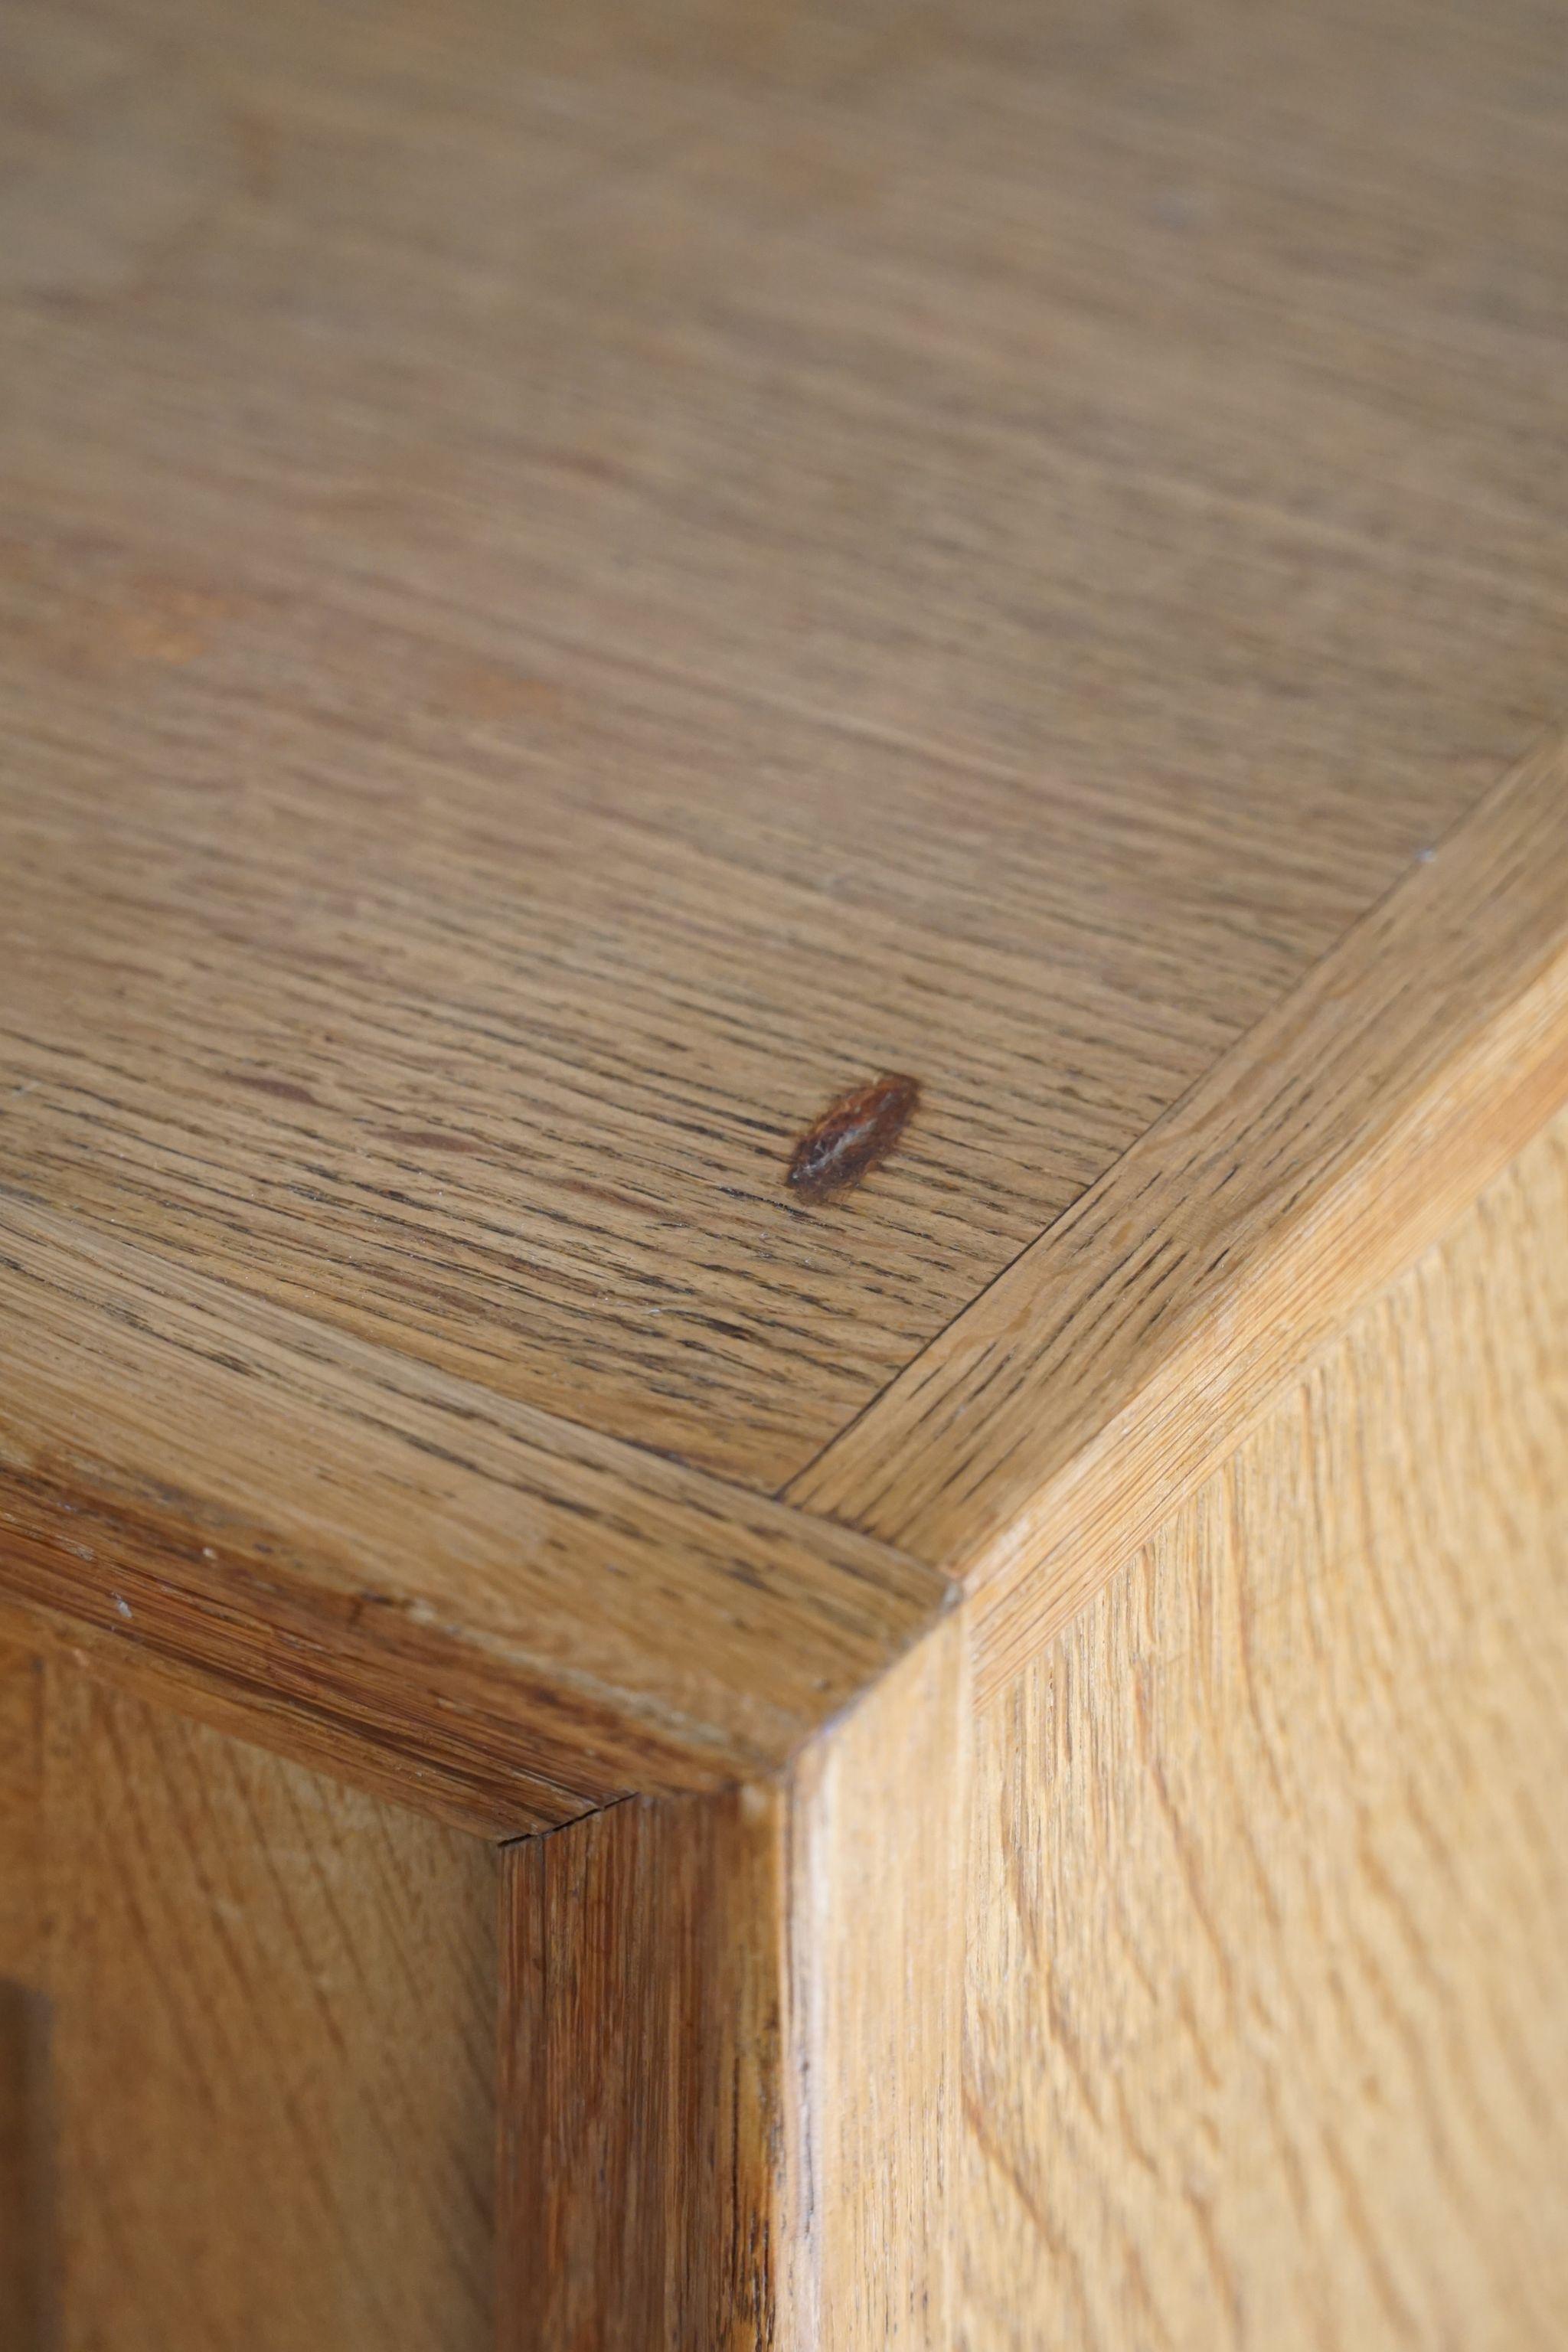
(27, 2166)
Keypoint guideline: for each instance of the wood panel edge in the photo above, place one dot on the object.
(468, 1793)
(1124, 1355)
(346, 1555)
(1359, 1236)
(645, 2163)
(730, 2047)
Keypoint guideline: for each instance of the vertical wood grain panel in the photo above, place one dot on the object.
(877, 1932)
(26, 2166)
(27, 2297)
(643, 2082)
(270, 2064)
(731, 2044)
(21, 1781)
(1268, 2024)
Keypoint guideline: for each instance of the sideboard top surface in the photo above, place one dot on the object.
(576, 585)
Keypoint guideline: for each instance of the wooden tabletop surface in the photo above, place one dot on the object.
(577, 586)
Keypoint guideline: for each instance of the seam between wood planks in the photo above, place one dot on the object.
(799, 1479)
(374, 1553)
(1022, 1454)
(1119, 1359)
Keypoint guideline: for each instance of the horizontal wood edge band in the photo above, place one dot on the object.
(379, 1567)
(1205, 1395)
(1060, 1419)
(481, 1794)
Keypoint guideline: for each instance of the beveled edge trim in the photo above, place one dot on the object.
(1057, 1421)
(361, 1559)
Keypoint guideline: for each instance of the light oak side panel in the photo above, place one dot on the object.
(877, 1927)
(265, 2122)
(645, 2168)
(1267, 2040)
(730, 2050)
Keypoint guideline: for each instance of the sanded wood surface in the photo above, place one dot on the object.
(1267, 2042)
(730, 2084)
(512, 1617)
(1198, 1984)
(877, 1932)
(1119, 1358)
(579, 587)
(246, 2045)
(582, 587)
(649, 2188)
(575, 587)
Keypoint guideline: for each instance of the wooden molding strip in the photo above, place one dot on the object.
(1062, 1416)
(504, 1617)
(730, 2048)
(649, 2180)
(512, 1619)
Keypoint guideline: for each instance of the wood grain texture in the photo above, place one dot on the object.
(574, 586)
(572, 592)
(1055, 1422)
(578, 588)
(27, 2153)
(730, 2073)
(1199, 1985)
(26, 2171)
(876, 1941)
(648, 2193)
(268, 2114)
(21, 1736)
(1267, 2039)
(509, 1618)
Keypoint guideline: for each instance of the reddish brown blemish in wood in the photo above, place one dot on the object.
(853, 1136)
(432, 1138)
(285, 1089)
